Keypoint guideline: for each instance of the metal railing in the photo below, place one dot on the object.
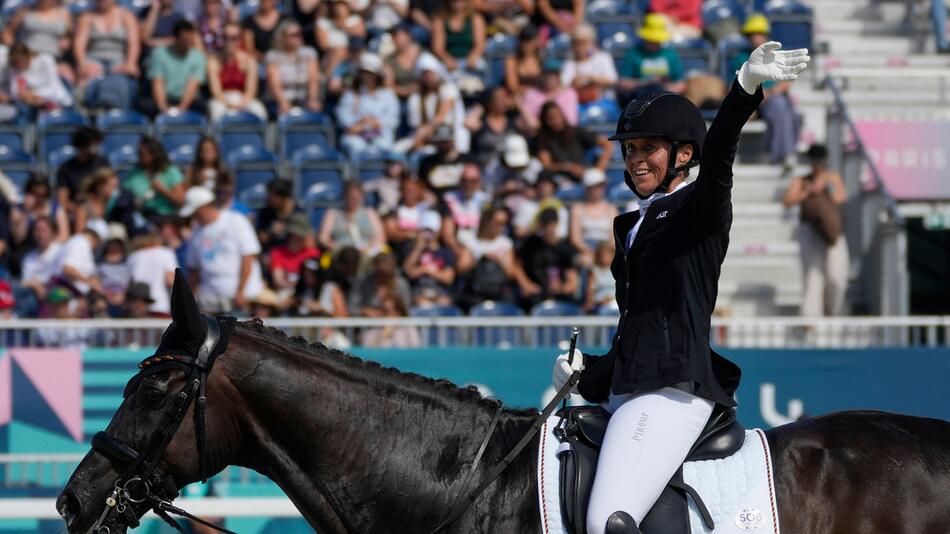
(539, 332)
(874, 227)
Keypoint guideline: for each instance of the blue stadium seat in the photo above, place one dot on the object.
(727, 51)
(611, 17)
(497, 49)
(299, 128)
(183, 156)
(574, 193)
(620, 194)
(17, 165)
(253, 169)
(180, 128)
(617, 46)
(369, 165)
(604, 311)
(614, 172)
(315, 215)
(558, 47)
(493, 336)
(10, 7)
(239, 128)
(78, 7)
(112, 141)
(601, 113)
(554, 308)
(438, 336)
(59, 156)
(55, 129)
(249, 7)
(792, 23)
(124, 158)
(696, 55)
(717, 11)
(319, 174)
(14, 135)
(118, 120)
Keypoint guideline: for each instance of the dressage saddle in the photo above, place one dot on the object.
(581, 434)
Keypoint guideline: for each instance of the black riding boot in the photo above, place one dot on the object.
(621, 523)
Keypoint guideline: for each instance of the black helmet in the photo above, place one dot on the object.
(668, 116)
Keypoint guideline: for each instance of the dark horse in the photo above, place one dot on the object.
(362, 448)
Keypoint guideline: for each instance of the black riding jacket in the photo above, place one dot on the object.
(668, 281)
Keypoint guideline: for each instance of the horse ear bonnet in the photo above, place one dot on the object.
(185, 313)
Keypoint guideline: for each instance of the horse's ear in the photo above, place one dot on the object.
(185, 312)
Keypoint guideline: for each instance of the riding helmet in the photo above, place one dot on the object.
(668, 116)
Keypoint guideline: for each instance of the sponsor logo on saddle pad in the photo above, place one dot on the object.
(749, 519)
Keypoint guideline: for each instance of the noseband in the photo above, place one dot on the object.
(140, 483)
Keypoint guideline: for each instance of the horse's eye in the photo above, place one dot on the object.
(153, 394)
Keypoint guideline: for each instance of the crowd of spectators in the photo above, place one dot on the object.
(489, 192)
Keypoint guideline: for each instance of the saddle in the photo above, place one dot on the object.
(581, 434)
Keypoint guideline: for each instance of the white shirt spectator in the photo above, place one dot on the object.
(499, 246)
(77, 253)
(40, 266)
(216, 251)
(599, 65)
(151, 266)
(41, 78)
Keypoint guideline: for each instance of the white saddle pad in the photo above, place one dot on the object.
(739, 491)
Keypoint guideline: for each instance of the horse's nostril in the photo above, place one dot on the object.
(68, 507)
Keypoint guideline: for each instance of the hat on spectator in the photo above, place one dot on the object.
(594, 177)
(654, 29)
(426, 62)
(516, 154)
(7, 300)
(117, 232)
(443, 132)
(196, 197)
(58, 295)
(280, 187)
(139, 291)
(266, 297)
(552, 64)
(298, 225)
(756, 23)
(371, 63)
(430, 220)
(99, 228)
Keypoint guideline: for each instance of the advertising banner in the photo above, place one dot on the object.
(912, 155)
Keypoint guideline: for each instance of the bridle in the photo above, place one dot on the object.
(141, 484)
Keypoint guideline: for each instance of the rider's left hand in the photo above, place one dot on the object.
(768, 62)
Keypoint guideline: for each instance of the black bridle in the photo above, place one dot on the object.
(141, 483)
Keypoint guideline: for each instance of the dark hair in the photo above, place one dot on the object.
(817, 152)
(85, 137)
(47, 219)
(196, 164)
(160, 160)
(487, 216)
(567, 136)
(527, 33)
(547, 216)
(19, 49)
(182, 26)
(37, 178)
(301, 290)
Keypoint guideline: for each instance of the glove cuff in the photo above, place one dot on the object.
(749, 85)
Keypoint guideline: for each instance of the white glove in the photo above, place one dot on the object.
(563, 370)
(767, 62)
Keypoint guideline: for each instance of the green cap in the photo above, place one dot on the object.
(58, 295)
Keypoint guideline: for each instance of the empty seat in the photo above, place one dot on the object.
(299, 128)
(369, 165)
(253, 169)
(559, 46)
(715, 12)
(696, 55)
(122, 128)
(239, 128)
(610, 18)
(178, 128)
(574, 193)
(55, 129)
(124, 158)
(438, 336)
(59, 156)
(17, 165)
(727, 51)
(497, 49)
(183, 155)
(319, 175)
(792, 23)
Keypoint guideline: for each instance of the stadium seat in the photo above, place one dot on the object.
(16, 164)
(78, 7)
(498, 48)
(727, 51)
(574, 193)
(614, 172)
(600, 115)
(253, 169)
(180, 128)
(617, 46)
(57, 157)
(558, 46)
(55, 129)
(369, 165)
(112, 141)
(14, 134)
(716, 11)
(124, 158)
(792, 23)
(12, 6)
(319, 174)
(493, 336)
(183, 155)
(554, 308)
(299, 128)
(118, 120)
(249, 7)
(696, 55)
(610, 17)
(620, 194)
(239, 128)
(438, 336)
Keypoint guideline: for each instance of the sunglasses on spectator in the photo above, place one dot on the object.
(294, 34)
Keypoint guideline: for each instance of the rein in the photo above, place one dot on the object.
(136, 485)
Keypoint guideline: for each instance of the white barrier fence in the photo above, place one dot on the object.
(596, 331)
(201, 507)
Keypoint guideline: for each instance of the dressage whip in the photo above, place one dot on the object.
(570, 359)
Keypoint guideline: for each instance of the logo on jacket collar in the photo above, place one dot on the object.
(662, 214)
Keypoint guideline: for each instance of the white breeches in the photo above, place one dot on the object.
(647, 439)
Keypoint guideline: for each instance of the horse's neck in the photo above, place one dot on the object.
(383, 457)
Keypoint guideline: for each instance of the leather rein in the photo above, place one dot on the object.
(141, 483)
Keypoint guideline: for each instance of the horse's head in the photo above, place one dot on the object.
(153, 445)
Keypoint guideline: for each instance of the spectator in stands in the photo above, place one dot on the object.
(233, 78)
(70, 176)
(543, 197)
(177, 72)
(392, 335)
(39, 263)
(157, 184)
(44, 28)
(551, 90)
(368, 113)
(293, 77)
(506, 16)
(207, 165)
(158, 28)
(265, 304)
(458, 36)
(371, 289)
(30, 83)
(514, 166)
(260, 29)
(563, 148)
(112, 270)
(523, 68)
(76, 265)
(601, 287)
(225, 194)
(589, 70)
(548, 261)
(38, 203)
(402, 224)
(443, 170)
(214, 19)
(651, 66)
(462, 209)
(60, 304)
(153, 264)
(99, 191)
(344, 74)
(138, 301)
(685, 18)
(438, 102)
(222, 254)
(383, 15)
(490, 124)
(286, 259)
(489, 267)
(938, 13)
(273, 217)
(824, 250)
(316, 295)
(386, 188)
(592, 220)
(401, 74)
(356, 225)
(9, 308)
(106, 47)
(559, 16)
(430, 265)
(333, 32)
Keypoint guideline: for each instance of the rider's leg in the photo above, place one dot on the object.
(646, 441)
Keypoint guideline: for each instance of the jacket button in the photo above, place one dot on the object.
(625, 312)
(628, 285)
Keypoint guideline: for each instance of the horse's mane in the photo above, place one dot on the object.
(256, 329)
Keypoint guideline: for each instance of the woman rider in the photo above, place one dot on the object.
(661, 380)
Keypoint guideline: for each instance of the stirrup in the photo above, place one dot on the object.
(621, 523)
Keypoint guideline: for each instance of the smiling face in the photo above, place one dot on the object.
(647, 161)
